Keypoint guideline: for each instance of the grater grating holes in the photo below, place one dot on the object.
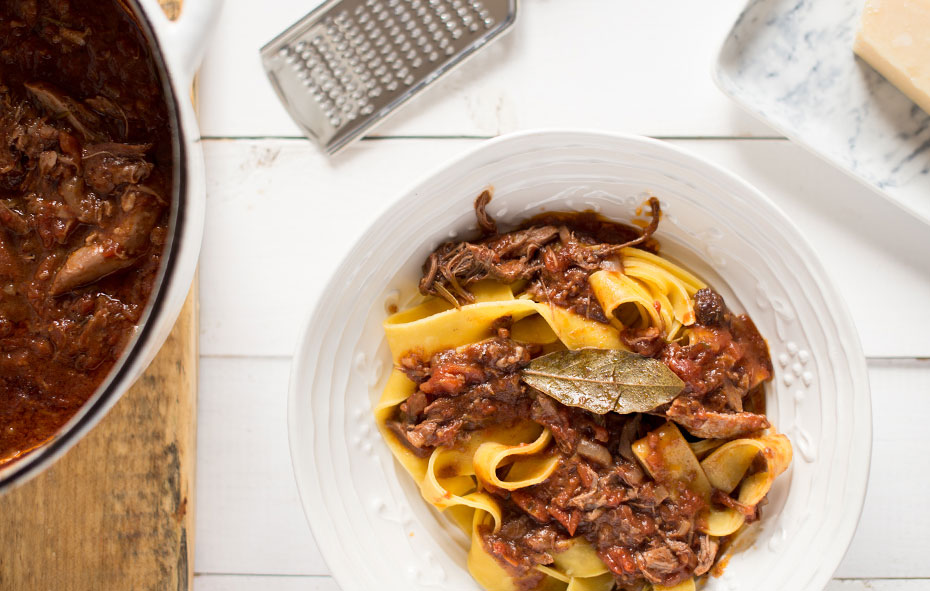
(363, 54)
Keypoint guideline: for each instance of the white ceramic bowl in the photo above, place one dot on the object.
(372, 526)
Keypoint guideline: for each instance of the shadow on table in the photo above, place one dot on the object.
(846, 204)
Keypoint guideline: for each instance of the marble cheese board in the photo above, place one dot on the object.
(790, 63)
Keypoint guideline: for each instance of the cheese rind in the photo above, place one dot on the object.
(894, 38)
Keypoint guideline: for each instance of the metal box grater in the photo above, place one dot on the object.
(349, 63)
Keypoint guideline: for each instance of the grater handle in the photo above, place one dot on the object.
(184, 40)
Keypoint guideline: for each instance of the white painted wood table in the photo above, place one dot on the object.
(280, 216)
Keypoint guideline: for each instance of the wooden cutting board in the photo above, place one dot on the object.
(116, 512)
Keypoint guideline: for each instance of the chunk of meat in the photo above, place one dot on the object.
(567, 424)
(707, 554)
(556, 259)
(53, 220)
(750, 512)
(110, 166)
(10, 129)
(23, 136)
(522, 543)
(61, 106)
(709, 307)
(453, 370)
(88, 264)
(730, 350)
(115, 249)
(485, 222)
(9, 263)
(724, 361)
(563, 279)
(13, 220)
(447, 420)
(523, 244)
(660, 565)
(140, 211)
(714, 425)
(109, 108)
(647, 341)
(85, 207)
(453, 267)
(461, 390)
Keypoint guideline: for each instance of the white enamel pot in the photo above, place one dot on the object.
(176, 48)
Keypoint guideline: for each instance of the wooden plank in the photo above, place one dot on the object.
(637, 67)
(878, 585)
(250, 519)
(304, 211)
(116, 512)
(891, 540)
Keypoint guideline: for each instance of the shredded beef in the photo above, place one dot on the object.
(461, 390)
(521, 544)
(554, 253)
(700, 422)
(634, 524)
(751, 513)
(707, 553)
(725, 360)
(648, 341)
(566, 423)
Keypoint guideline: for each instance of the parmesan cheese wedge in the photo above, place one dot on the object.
(894, 38)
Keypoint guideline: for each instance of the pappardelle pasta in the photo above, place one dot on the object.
(509, 405)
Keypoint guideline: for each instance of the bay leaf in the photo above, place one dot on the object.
(603, 380)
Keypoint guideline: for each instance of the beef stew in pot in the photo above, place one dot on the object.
(86, 175)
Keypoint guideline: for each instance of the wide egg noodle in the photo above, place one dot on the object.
(451, 328)
(579, 560)
(672, 461)
(661, 292)
(528, 465)
(449, 481)
(398, 389)
(614, 289)
(687, 585)
(637, 256)
(726, 469)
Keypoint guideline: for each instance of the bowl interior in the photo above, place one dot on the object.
(367, 513)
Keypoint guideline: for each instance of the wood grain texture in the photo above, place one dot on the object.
(116, 512)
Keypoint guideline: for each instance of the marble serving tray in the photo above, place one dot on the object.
(790, 63)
